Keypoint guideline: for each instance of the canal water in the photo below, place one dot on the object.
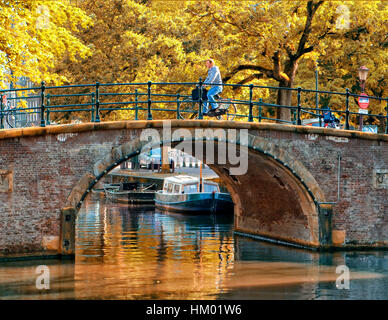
(140, 253)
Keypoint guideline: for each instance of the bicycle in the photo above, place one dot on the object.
(189, 108)
(17, 117)
(330, 120)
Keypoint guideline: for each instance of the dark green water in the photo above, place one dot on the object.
(140, 253)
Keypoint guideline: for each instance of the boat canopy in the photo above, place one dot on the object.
(182, 179)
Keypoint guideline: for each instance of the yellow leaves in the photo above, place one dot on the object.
(22, 104)
(133, 41)
(36, 34)
(168, 41)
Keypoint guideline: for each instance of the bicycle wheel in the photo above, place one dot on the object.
(11, 119)
(188, 109)
(17, 119)
(230, 108)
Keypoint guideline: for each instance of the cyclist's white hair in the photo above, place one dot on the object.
(210, 60)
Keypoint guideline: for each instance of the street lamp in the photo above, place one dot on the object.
(362, 75)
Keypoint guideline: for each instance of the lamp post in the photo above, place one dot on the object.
(316, 93)
(362, 75)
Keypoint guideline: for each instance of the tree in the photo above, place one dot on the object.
(268, 39)
(135, 41)
(35, 35)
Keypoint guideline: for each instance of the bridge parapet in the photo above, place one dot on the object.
(149, 101)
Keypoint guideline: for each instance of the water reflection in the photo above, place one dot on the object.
(139, 253)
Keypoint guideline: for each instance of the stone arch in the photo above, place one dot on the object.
(284, 170)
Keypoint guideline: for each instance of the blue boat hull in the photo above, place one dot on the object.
(200, 202)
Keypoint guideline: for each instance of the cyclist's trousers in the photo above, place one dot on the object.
(210, 97)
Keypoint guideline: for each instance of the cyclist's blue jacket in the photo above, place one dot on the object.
(214, 76)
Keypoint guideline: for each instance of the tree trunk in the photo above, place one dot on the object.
(284, 99)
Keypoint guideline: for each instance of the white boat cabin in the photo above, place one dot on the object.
(188, 184)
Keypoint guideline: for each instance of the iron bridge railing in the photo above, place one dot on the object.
(145, 97)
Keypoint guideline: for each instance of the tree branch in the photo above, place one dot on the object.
(235, 24)
(265, 71)
(250, 78)
(311, 9)
(276, 64)
(308, 49)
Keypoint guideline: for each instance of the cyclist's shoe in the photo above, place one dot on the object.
(219, 111)
(211, 112)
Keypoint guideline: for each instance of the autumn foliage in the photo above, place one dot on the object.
(277, 43)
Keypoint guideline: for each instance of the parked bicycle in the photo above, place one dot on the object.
(330, 120)
(189, 108)
(19, 117)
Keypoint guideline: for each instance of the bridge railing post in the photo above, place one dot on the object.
(48, 110)
(97, 104)
(149, 116)
(260, 109)
(42, 107)
(200, 116)
(92, 100)
(347, 110)
(178, 114)
(250, 116)
(299, 120)
(136, 106)
(1, 112)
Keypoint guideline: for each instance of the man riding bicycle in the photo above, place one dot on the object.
(214, 79)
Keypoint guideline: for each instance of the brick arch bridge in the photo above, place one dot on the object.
(310, 187)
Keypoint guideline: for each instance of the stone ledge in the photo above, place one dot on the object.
(30, 256)
(143, 124)
(275, 238)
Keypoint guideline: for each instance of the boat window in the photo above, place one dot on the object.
(165, 186)
(177, 188)
(210, 187)
(169, 189)
(190, 188)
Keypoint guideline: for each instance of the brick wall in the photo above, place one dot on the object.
(39, 168)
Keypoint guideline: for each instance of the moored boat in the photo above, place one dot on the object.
(131, 193)
(192, 195)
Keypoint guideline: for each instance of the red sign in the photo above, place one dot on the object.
(5, 100)
(363, 101)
